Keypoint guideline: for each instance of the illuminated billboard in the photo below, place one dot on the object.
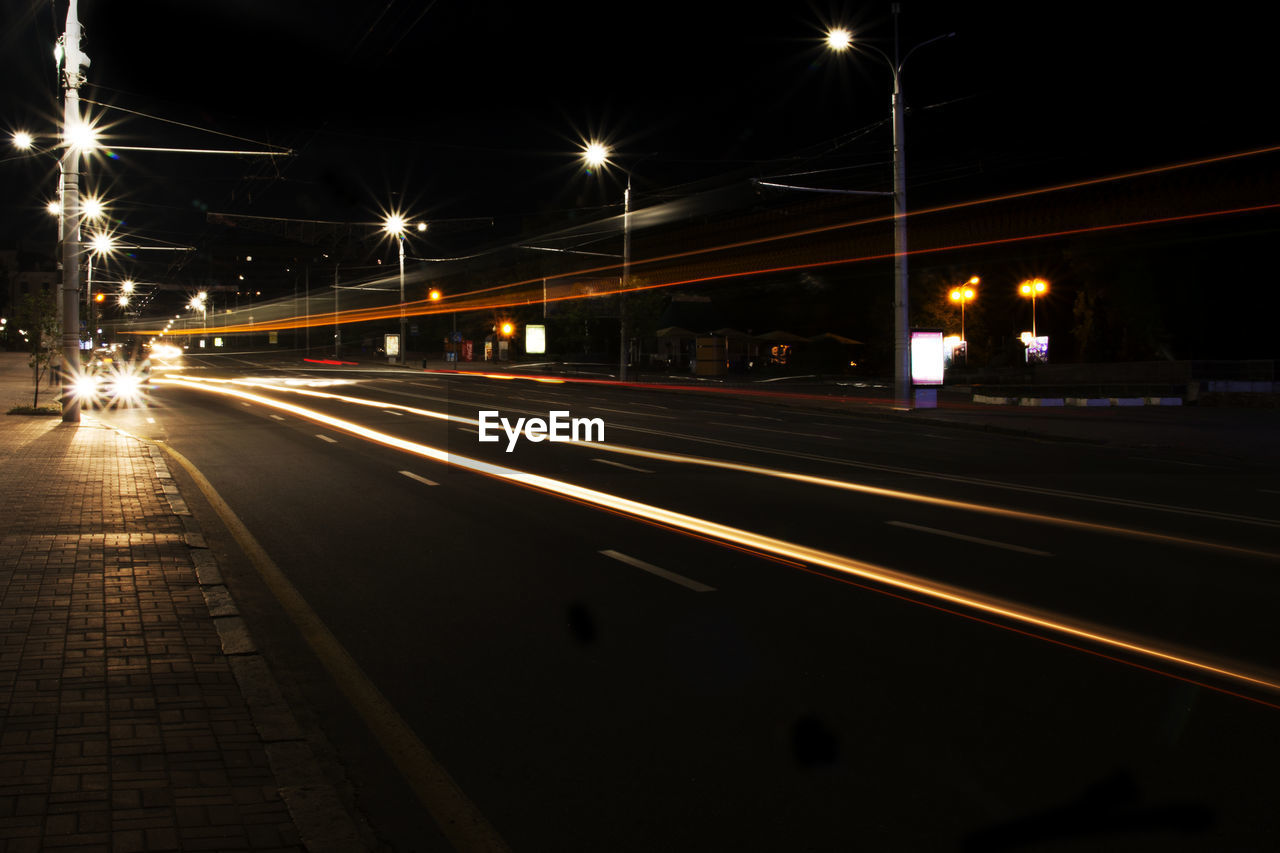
(535, 339)
(928, 355)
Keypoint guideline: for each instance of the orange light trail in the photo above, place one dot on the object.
(423, 308)
(1087, 182)
(426, 307)
(881, 576)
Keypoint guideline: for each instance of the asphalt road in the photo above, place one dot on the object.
(741, 624)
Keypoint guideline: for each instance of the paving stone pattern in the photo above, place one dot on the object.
(122, 726)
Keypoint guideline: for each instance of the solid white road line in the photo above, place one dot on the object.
(326, 438)
(390, 412)
(469, 429)
(662, 573)
(620, 465)
(419, 478)
(277, 417)
(975, 539)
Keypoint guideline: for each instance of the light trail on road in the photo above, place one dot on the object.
(901, 583)
(814, 480)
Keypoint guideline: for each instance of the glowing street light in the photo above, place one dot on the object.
(23, 140)
(92, 207)
(841, 40)
(102, 243)
(127, 286)
(596, 154)
(81, 136)
(1033, 287)
(962, 294)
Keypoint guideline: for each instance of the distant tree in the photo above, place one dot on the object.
(38, 316)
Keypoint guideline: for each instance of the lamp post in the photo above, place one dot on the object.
(840, 40)
(596, 155)
(71, 60)
(962, 294)
(395, 226)
(1033, 287)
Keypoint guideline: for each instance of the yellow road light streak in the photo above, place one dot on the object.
(900, 582)
(897, 495)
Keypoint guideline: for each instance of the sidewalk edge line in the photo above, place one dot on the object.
(458, 819)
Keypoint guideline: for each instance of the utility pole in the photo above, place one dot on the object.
(626, 281)
(902, 388)
(72, 78)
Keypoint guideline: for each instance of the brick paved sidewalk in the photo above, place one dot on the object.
(122, 726)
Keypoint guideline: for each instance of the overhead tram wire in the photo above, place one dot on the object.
(180, 123)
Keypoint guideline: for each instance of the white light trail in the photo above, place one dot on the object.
(900, 582)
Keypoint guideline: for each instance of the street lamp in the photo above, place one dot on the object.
(395, 225)
(596, 155)
(962, 294)
(1033, 287)
(841, 40)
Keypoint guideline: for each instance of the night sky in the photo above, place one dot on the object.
(456, 110)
